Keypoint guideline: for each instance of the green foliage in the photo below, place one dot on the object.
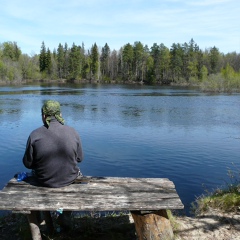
(176, 61)
(48, 62)
(225, 202)
(192, 68)
(10, 50)
(175, 225)
(214, 57)
(138, 61)
(228, 72)
(181, 64)
(94, 61)
(203, 73)
(127, 60)
(3, 71)
(214, 83)
(86, 67)
(60, 60)
(225, 199)
(10, 71)
(161, 55)
(164, 60)
(105, 62)
(42, 58)
(66, 61)
(226, 81)
(150, 71)
(75, 64)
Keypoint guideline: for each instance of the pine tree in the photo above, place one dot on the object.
(138, 51)
(214, 59)
(94, 61)
(75, 62)
(60, 60)
(42, 58)
(127, 60)
(164, 60)
(105, 61)
(113, 65)
(48, 62)
(176, 61)
(66, 61)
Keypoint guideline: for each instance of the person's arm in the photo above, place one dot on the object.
(28, 155)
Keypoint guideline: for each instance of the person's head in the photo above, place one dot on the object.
(51, 109)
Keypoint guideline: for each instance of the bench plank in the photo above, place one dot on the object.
(92, 194)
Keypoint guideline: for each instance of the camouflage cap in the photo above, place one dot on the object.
(52, 108)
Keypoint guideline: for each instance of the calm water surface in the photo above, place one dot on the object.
(190, 137)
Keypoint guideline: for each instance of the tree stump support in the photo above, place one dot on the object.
(153, 225)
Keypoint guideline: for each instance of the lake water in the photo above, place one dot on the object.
(185, 135)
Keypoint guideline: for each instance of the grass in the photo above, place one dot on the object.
(224, 199)
(172, 219)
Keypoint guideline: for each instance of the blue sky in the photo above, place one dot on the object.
(209, 22)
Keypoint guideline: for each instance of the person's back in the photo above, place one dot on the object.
(53, 150)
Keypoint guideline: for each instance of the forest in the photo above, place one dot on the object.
(182, 64)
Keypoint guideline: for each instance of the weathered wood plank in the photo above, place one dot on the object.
(165, 185)
(98, 205)
(28, 198)
(138, 196)
(98, 189)
(111, 179)
(162, 182)
(93, 194)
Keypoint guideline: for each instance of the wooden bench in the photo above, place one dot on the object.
(146, 198)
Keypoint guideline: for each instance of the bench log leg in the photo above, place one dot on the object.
(34, 225)
(152, 226)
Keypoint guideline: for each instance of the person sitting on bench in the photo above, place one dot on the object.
(53, 150)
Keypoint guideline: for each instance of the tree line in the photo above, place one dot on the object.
(180, 64)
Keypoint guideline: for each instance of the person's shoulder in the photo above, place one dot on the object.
(70, 128)
(37, 130)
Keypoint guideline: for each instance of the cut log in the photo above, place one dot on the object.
(153, 225)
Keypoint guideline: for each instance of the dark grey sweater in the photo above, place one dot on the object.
(54, 152)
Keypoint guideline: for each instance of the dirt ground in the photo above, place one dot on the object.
(210, 226)
(213, 225)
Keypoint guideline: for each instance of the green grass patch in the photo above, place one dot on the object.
(224, 199)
